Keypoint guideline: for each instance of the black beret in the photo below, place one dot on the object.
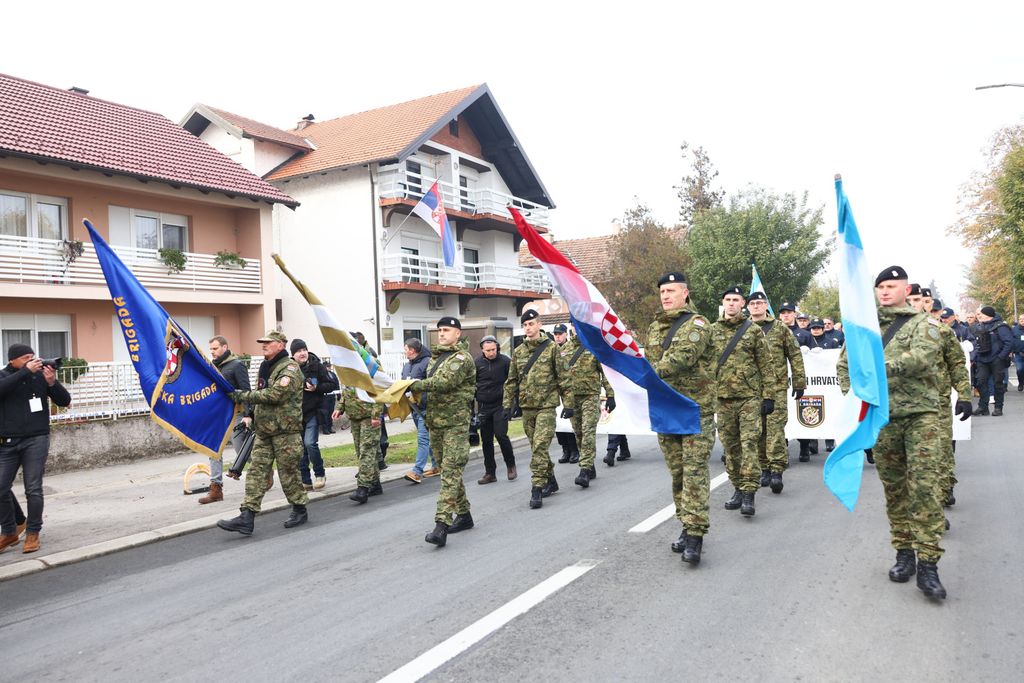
(936, 305)
(734, 290)
(669, 278)
(915, 289)
(757, 296)
(925, 291)
(529, 315)
(817, 322)
(891, 273)
(561, 329)
(449, 322)
(787, 306)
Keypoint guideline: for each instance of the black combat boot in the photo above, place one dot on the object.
(766, 477)
(928, 580)
(461, 522)
(747, 504)
(947, 523)
(609, 459)
(734, 502)
(1020, 381)
(535, 498)
(549, 487)
(375, 488)
(566, 454)
(980, 411)
(813, 445)
(870, 455)
(830, 445)
(950, 498)
(905, 567)
(439, 536)
(776, 482)
(593, 473)
(997, 411)
(298, 516)
(583, 478)
(243, 523)
(680, 543)
(805, 451)
(574, 457)
(360, 495)
(624, 453)
(691, 553)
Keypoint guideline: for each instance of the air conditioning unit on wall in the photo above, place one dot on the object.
(435, 302)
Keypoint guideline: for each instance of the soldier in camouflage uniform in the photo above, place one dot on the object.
(746, 385)
(772, 453)
(537, 393)
(365, 419)
(451, 386)
(277, 419)
(907, 450)
(585, 380)
(681, 350)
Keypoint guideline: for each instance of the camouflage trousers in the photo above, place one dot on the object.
(584, 424)
(948, 478)
(910, 466)
(540, 429)
(687, 458)
(286, 449)
(451, 451)
(739, 428)
(366, 439)
(772, 449)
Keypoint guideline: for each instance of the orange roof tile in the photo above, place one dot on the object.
(369, 136)
(590, 255)
(262, 131)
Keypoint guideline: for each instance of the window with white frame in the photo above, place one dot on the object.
(33, 215)
(48, 334)
(154, 230)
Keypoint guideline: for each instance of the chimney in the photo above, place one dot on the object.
(78, 91)
(305, 121)
(616, 227)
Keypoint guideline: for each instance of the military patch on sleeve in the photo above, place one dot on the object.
(933, 333)
(933, 321)
(285, 381)
(699, 322)
(695, 336)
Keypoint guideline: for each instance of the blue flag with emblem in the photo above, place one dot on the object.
(187, 395)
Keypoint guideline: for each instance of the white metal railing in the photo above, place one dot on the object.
(104, 391)
(28, 259)
(398, 183)
(432, 271)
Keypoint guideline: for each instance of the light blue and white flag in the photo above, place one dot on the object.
(756, 286)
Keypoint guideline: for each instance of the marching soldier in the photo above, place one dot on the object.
(746, 381)
(785, 354)
(585, 379)
(681, 350)
(451, 387)
(907, 450)
(365, 420)
(277, 419)
(535, 380)
(567, 440)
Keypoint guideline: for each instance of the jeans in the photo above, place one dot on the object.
(494, 426)
(311, 450)
(29, 454)
(12, 502)
(422, 444)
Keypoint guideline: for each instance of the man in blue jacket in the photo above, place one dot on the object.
(1018, 351)
(994, 343)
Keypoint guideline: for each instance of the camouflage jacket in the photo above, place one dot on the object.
(546, 383)
(909, 362)
(688, 365)
(585, 376)
(784, 348)
(278, 405)
(952, 368)
(356, 408)
(451, 383)
(748, 372)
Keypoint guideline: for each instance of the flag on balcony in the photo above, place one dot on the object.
(186, 394)
(354, 365)
(756, 286)
(431, 209)
(663, 409)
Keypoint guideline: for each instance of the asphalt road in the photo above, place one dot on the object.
(800, 591)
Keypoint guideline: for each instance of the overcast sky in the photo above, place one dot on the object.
(602, 94)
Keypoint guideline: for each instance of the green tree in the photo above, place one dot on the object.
(821, 299)
(779, 233)
(643, 251)
(695, 193)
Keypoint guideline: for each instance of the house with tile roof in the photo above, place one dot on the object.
(355, 241)
(146, 185)
(590, 255)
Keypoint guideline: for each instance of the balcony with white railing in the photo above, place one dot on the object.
(427, 274)
(400, 184)
(42, 261)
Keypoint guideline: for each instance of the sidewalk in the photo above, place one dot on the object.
(94, 512)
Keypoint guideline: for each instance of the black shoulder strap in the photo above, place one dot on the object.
(441, 357)
(536, 354)
(680, 321)
(768, 328)
(893, 328)
(732, 344)
(576, 356)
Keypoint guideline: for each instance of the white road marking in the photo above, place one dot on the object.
(483, 627)
(669, 511)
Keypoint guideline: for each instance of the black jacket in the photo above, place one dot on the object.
(800, 333)
(417, 369)
(17, 388)
(325, 384)
(825, 341)
(490, 379)
(234, 371)
(999, 342)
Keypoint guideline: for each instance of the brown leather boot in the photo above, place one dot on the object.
(216, 494)
(8, 540)
(31, 543)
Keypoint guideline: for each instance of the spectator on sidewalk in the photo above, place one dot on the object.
(417, 358)
(994, 343)
(26, 388)
(330, 400)
(491, 372)
(318, 383)
(235, 372)
(1018, 351)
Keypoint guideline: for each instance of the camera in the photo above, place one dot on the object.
(54, 363)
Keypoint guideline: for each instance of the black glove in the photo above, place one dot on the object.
(798, 394)
(567, 413)
(609, 403)
(506, 413)
(963, 409)
(767, 406)
(516, 411)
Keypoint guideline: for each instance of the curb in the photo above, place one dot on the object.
(88, 552)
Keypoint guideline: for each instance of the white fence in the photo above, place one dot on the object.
(432, 271)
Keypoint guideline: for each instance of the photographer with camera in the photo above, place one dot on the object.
(27, 384)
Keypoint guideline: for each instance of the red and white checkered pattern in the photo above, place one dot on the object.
(617, 336)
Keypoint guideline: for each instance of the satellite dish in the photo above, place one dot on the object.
(394, 305)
